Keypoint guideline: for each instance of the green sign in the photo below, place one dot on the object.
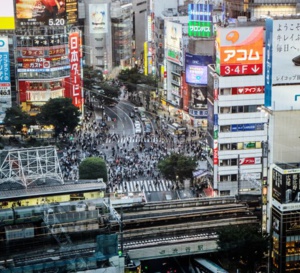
(200, 29)
(216, 134)
(250, 145)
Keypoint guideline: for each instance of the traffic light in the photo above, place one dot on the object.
(120, 253)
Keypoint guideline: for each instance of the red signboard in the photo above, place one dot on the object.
(74, 86)
(250, 161)
(241, 69)
(216, 152)
(248, 90)
(32, 52)
(216, 95)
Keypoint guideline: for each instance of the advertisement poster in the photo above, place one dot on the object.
(286, 185)
(283, 50)
(98, 18)
(46, 12)
(239, 51)
(173, 42)
(196, 68)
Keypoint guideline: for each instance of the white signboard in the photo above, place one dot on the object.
(285, 52)
(98, 16)
(286, 97)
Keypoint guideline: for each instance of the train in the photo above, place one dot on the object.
(24, 222)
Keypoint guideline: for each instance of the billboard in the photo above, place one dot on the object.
(247, 90)
(46, 12)
(98, 16)
(239, 51)
(196, 68)
(283, 51)
(7, 16)
(173, 34)
(250, 161)
(286, 97)
(5, 86)
(75, 85)
(285, 185)
(200, 20)
(247, 127)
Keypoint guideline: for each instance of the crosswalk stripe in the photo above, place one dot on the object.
(144, 185)
(133, 140)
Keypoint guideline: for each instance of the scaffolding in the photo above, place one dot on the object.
(25, 166)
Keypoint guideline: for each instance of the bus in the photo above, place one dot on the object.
(176, 129)
(200, 265)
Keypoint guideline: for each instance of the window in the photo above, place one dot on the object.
(225, 128)
(224, 193)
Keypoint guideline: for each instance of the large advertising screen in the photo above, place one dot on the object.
(286, 185)
(173, 36)
(200, 20)
(7, 16)
(196, 68)
(283, 51)
(239, 51)
(98, 17)
(5, 86)
(46, 12)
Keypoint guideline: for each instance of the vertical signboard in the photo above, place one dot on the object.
(173, 40)
(71, 11)
(75, 68)
(98, 16)
(268, 62)
(7, 16)
(5, 87)
(200, 20)
(239, 51)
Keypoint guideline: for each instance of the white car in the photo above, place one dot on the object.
(137, 123)
(138, 130)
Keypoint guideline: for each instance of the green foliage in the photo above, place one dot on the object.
(243, 245)
(131, 77)
(61, 113)
(93, 168)
(177, 165)
(15, 117)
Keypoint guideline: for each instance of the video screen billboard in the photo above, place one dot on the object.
(196, 68)
(98, 16)
(200, 20)
(7, 15)
(46, 12)
(239, 51)
(283, 51)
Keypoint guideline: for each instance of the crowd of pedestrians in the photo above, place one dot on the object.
(126, 161)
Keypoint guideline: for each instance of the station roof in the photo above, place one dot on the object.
(9, 190)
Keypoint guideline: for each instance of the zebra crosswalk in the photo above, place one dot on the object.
(133, 139)
(142, 185)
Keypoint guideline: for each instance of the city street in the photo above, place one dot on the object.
(132, 158)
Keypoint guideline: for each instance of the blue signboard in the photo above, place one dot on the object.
(196, 68)
(268, 63)
(200, 12)
(247, 127)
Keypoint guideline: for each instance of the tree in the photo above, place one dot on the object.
(15, 118)
(177, 166)
(61, 113)
(93, 168)
(244, 245)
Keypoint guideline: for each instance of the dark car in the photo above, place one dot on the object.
(132, 114)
